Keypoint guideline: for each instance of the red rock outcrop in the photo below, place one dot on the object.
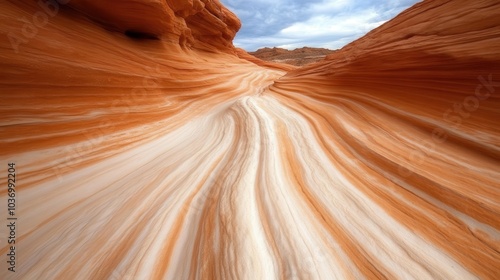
(145, 146)
(204, 24)
(296, 57)
(264, 63)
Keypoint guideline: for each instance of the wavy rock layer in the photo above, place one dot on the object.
(142, 158)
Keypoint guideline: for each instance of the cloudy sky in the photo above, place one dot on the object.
(314, 23)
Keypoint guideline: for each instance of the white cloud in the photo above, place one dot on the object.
(332, 44)
(330, 6)
(344, 24)
(313, 23)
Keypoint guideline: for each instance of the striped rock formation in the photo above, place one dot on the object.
(147, 147)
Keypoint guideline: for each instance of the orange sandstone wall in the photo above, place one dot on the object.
(414, 105)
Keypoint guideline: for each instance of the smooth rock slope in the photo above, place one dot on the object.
(147, 147)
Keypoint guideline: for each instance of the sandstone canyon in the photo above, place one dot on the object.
(146, 146)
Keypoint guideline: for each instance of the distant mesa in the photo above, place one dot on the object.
(296, 57)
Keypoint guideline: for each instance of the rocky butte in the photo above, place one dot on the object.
(297, 57)
(146, 146)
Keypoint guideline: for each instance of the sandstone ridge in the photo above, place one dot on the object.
(204, 24)
(297, 57)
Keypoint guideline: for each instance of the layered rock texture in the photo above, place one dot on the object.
(147, 147)
(296, 57)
